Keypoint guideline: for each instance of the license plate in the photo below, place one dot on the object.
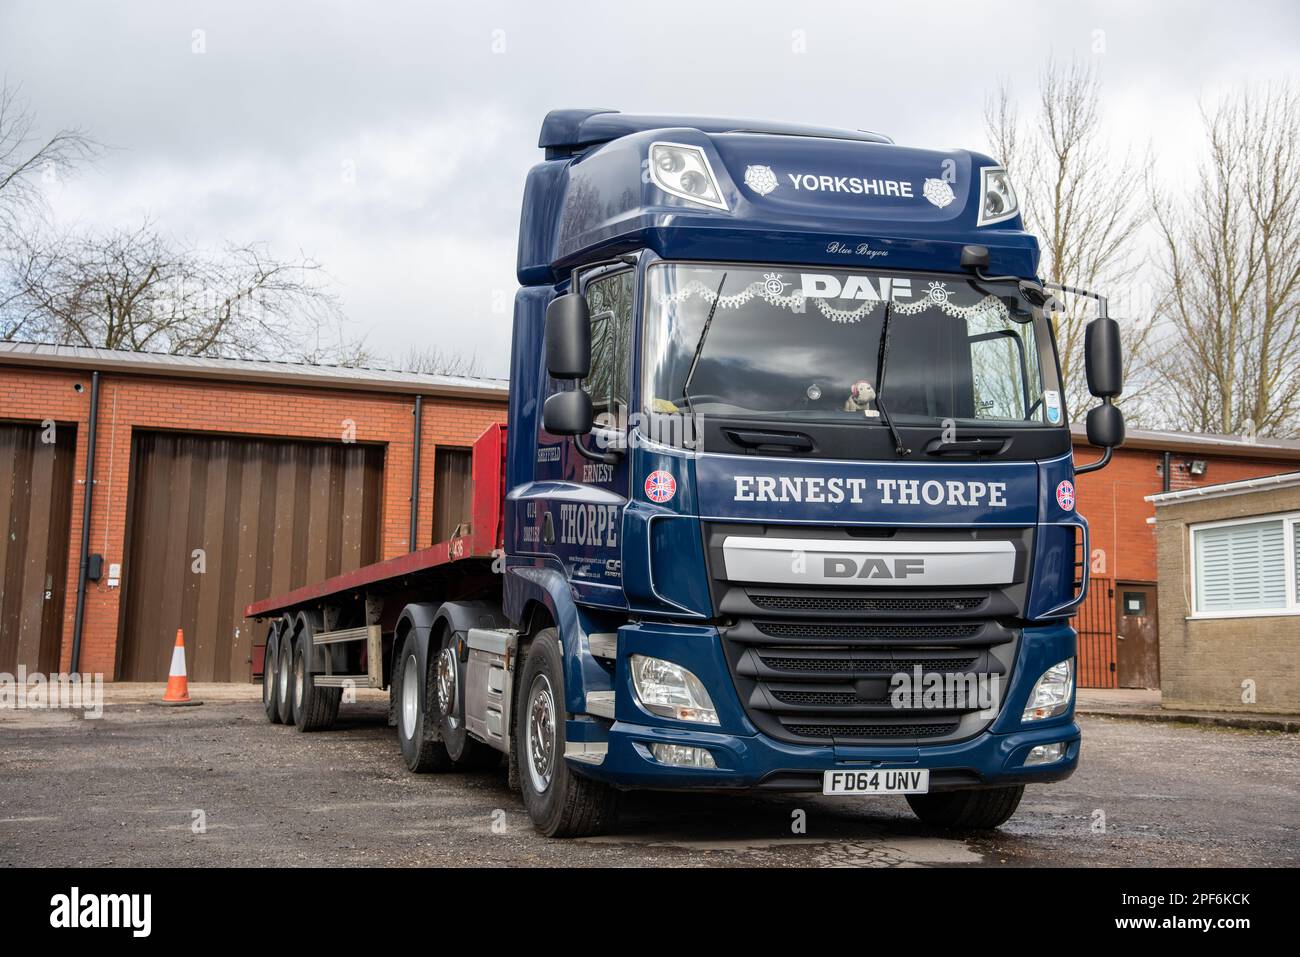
(877, 781)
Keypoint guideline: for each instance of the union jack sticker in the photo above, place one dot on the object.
(1065, 495)
(660, 486)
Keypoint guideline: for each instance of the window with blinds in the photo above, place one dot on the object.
(1246, 566)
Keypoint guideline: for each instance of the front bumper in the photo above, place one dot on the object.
(745, 758)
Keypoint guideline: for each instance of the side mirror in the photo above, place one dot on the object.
(568, 413)
(1103, 359)
(568, 339)
(1106, 426)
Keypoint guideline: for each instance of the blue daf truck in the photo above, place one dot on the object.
(784, 503)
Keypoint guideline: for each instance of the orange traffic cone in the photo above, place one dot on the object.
(178, 685)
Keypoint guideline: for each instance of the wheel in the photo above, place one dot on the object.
(560, 802)
(416, 729)
(975, 810)
(270, 671)
(465, 752)
(314, 709)
(283, 671)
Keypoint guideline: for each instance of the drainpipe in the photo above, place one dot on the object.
(88, 494)
(415, 473)
(1169, 461)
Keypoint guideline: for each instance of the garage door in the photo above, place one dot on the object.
(36, 482)
(216, 522)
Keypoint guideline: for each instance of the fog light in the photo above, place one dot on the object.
(1045, 754)
(680, 756)
(668, 689)
(1052, 692)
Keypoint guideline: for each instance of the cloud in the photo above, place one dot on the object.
(390, 141)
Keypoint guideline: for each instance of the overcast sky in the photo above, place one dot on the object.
(390, 140)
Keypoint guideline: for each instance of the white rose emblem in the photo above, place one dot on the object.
(760, 179)
(938, 192)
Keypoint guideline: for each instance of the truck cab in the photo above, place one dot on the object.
(789, 483)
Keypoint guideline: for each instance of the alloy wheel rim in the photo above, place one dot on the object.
(447, 685)
(410, 696)
(541, 734)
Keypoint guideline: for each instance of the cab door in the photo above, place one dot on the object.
(589, 519)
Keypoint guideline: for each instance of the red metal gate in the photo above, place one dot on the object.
(1095, 624)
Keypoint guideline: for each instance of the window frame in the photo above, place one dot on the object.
(1289, 557)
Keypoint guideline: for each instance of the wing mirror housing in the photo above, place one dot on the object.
(1105, 426)
(1104, 367)
(568, 338)
(1103, 358)
(568, 413)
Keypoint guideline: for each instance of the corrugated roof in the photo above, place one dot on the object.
(249, 370)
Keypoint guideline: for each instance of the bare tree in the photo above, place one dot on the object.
(432, 360)
(1082, 199)
(1231, 268)
(25, 156)
(137, 289)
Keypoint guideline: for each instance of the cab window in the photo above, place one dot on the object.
(609, 299)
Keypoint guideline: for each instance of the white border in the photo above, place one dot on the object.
(1292, 608)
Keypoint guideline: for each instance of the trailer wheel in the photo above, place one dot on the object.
(560, 802)
(974, 810)
(314, 709)
(270, 672)
(416, 728)
(283, 672)
(465, 752)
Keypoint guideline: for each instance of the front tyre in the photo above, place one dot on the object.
(560, 803)
(983, 809)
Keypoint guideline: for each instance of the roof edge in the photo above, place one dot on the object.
(306, 376)
(1225, 489)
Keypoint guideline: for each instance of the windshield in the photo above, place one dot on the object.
(806, 344)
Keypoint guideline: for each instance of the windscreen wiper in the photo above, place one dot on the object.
(882, 360)
(699, 346)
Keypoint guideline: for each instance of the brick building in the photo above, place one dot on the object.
(214, 482)
(1123, 599)
(218, 481)
(1229, 557)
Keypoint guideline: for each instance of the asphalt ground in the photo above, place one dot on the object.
(219, 785)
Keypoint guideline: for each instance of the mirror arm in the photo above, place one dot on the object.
(1100, 463)
(611, 457)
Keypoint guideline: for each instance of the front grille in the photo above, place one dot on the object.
(817, 668)
(814, 662)
(816, 697)
(844, 663)
(870, 731)
(839, 603)
(849, 631)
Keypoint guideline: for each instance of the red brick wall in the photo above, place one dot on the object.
(193, 405)
(1113, 501)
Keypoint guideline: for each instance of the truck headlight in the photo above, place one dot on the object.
(1052, 692)
(667, 689)
(684, 171)
(998, 201)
